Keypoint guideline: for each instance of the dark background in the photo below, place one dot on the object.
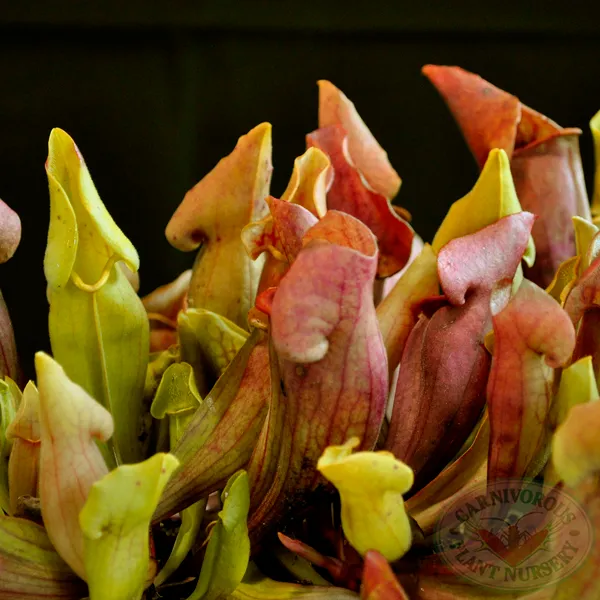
(155, 93)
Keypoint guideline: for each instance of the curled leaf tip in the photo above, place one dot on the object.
(310, 180)
(107, 353)
(115, 521)
(177, 392)
(213, 214)
(238, 180)
(487, 115)
(544, 159)
(365, 152)
(82, 237)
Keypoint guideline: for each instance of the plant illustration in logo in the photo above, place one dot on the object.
(511, 534)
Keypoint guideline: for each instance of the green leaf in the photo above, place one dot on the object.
(115, 522)
(85, 236)
(107, 353)
(228, 550)
(223, 432)
(177, 398)
(575, 447)
(209, 343)
(159, 363)
(255, 586)
(24, 431)
(8, 410)
(191, 521)
(30, 567)
(298, 567)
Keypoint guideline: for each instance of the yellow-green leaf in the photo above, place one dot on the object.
(564, 279)
(70, 461)
(14, 390)
(492, 198)
(228, 551)
(575, 447)
(208, 342)
(115, 522)
(373, 515)
(157, 366)
(584, 234)
(191, 520)
(24, 431)
(308, 184)
(298, 567)
(577, 386)
(107, 351)
(8, 410)
(396, 314)
(255, 586)
(177, 398)
(224, 430)
(85, 237)
(30, 568)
